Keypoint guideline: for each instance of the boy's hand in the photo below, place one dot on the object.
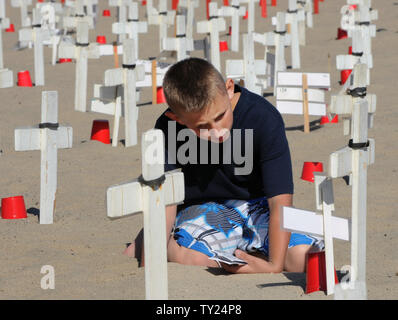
(254, 264)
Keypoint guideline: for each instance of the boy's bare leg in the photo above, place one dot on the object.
(134, 249)
(295, 260)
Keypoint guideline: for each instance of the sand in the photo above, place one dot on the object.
(85, 247)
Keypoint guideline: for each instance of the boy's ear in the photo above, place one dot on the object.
(230, 85)
(172, 116)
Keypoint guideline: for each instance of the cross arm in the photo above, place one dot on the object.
(126, 199)
(308, 222)
(29, 138)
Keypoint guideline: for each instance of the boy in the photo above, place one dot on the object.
(231, 212)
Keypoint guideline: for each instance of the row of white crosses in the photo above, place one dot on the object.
(302, 94)
(248, 68)
(163, 18)
(234, 11)
(251, 15)
(23, 5)
(132, 27)
(353, 161)
(190, 6)
(214, 26)
(126, 78)
(348, 61)
(122, 10)
(150, 194)
(48, 137)
(181, 43)
(6, 76)
(359, 27)
(293, 16)
(349, 161)
(323, 226)
(37, 36)
(81, 51)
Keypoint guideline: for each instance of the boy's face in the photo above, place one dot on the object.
(213, 122)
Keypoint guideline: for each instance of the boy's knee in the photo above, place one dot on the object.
(296, 258)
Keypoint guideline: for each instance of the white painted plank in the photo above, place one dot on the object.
(289, 93)
(296, 107)
(315, 80)
(307, 222)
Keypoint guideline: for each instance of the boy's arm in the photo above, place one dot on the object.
(278, 243)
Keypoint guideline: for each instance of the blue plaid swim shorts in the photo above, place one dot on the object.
(217, 229)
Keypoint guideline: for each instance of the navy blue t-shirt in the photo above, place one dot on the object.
(207, 180)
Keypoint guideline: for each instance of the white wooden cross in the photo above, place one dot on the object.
(154, 75)
(354, 160)
(109, 100)
(325, 226)
(150, 194)
(303, 19)
(133, 27)
(6, 76)
(214, 25)
(48, 22)
(181, 43)
(367, 32)
(251, 14)
(190, 5)
(293, 16)
(279, 39)
(248, 68)
(23, 4)
(344, 62)
(122, 6)
(48, 137)
(127, 77)
(302, 93)
(163, 18)
(70, 22)
(342, 102)
(150, 10)
(234, 11)
(37, 35)
(81, 51)
(307, 5)
(350, 16)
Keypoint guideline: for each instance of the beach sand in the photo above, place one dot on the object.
(85, 247)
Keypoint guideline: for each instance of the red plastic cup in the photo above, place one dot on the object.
(309, 168)
(316, 272)
(64, 60)
(324, 119)
(24, 79)
(101, 39)
(344, 75)
(341, 34)
(226, 2)
(100, 131)
(174, 4)
(335, 119)
(223, 46)
(106, 13)
(11, 28)
(350, 50)
(160, 98)
(263, 5)
(13, 208)
(316, 6)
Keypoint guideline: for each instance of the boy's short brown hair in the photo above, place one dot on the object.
(192, 84)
